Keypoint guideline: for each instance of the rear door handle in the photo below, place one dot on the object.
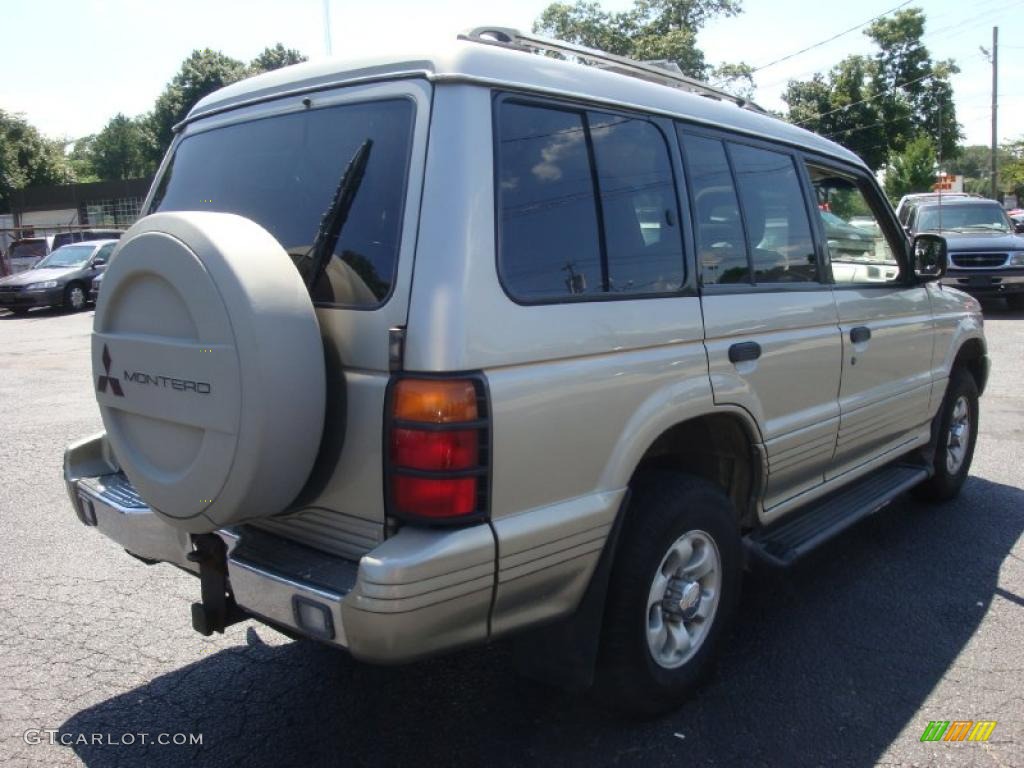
(745, 350)
(860, 334)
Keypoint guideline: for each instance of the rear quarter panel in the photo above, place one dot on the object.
(578, 391)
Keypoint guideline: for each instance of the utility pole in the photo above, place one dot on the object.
(995, 112)
(327, 25)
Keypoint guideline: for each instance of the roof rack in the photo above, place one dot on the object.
(660, 72)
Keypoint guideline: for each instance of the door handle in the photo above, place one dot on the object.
(745, 350)
(860, 334)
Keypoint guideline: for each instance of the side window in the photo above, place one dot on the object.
(638, 205)
(103, 254)
(721, 244)
(549, 235)
(775, 214)
(587, 205)
(859, 247)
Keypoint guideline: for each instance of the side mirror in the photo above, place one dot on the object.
(929, 257)
(1018, 227)
(98, 263)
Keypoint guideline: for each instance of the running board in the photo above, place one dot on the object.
(786, 542)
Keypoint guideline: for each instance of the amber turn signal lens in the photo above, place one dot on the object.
(435, 401)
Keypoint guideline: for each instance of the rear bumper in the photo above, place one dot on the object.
(986, 282)
(418, 593)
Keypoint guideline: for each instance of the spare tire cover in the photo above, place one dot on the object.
(208, 368)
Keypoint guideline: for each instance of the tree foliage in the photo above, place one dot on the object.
(877, 105)
(122, 150)
(650, 30)
(1011, 168)
(912, 170)
(27, 158)
(80, 159)
(973, 162)
(274, 58)
(202, 73)
(127, 147)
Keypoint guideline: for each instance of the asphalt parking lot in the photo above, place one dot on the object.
(917, 614)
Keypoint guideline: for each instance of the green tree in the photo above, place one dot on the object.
(974, 163)
(918, 97)
(122, 149)
(202, 73)
(80, 159)
(912, 170)
(877, 105)
(28, 158)
(1011, 168)
(274, 58)
(650, 30)
(842, 108)
(971, 162)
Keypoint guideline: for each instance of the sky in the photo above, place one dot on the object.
(76, 63)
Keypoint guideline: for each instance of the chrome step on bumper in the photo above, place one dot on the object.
(111, 505)
(306, 597)
(417, 593)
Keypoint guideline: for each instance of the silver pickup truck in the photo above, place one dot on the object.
(414, 353)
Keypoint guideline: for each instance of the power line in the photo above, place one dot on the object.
(862, 128)
(979, 18)
(975, 20)
(830, 39)
(864, 101)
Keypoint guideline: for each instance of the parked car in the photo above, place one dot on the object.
(94, 288)
(986, 254)
(24, 253)
(844, 238)
(85, 235)
(606, 390)
(907, 202)
(60, 279)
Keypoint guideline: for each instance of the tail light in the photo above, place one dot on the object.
(438, 449)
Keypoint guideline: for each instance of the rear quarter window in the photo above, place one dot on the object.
(283, 171)
(586, 205)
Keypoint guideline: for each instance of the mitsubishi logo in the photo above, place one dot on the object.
(115, 384)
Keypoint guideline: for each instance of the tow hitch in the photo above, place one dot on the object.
(218, 609)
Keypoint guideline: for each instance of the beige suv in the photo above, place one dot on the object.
(413, 354)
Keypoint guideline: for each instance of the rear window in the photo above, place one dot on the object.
(63, 238)
(282, 172)
(27, 249)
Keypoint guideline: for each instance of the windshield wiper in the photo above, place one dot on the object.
(313, 263)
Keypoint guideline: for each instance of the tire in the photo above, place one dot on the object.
(667, 508)
(1015, 302)
(961, 398)
(208, 369)
(75, 297)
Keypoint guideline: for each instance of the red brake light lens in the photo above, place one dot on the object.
(437, 448)
(417, 449)
(435, 499)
